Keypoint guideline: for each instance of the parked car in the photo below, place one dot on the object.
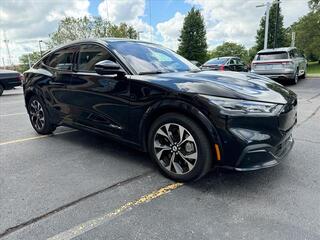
(149, 97)
(9, 80)
(280, 63)
(225, 64)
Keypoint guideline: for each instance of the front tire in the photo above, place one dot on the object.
(1, 89)
(179, 147)
(39, 116)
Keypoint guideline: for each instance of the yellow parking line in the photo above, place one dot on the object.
(34, 138)
(13, 114)
(93, 223)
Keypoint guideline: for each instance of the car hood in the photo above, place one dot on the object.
(246, 86)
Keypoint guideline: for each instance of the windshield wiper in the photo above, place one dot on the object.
(153, 72)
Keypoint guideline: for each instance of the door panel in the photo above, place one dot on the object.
(97, 101)
(58, 67)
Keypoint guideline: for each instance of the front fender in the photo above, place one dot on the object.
(180, 106)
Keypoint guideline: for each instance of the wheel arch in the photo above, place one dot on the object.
(184, 108)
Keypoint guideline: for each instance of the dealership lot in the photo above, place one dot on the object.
(78, 185)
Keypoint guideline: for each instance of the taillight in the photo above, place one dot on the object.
(287, 63)
(221, 68)
(21, 77)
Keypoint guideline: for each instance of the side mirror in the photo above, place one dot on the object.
(107, 67)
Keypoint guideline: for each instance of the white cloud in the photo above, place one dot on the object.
(121, 10)
(238, 20)
(26, 21)
(128, 11)
(170, 30)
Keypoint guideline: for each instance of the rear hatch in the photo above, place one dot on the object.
(271, 62)
(215, 64)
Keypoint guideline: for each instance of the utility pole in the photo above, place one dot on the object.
(266, 27)
(6, 42)
(29, 61)
(293, 39)
(276, 25)
(150, 20)
(40, 47)
(4, 64)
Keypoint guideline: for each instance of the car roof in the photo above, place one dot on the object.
(102, 41)
(223, 58)
(7, 71)
(270, 50)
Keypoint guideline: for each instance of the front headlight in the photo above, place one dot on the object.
(234, 106)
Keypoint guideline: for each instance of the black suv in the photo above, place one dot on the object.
(149, 97)
(225, 64)
(9, 80)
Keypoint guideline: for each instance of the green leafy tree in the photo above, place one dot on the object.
(307, 31)
(24, 60)
(231, 49)
(193, 41)
(314, 5)
(71, 29)
(122, 31)
(282, 37)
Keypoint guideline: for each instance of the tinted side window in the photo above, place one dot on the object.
(91, 54)
(61, 59)
(232, 61)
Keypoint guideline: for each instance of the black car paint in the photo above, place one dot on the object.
(9, 79)
(227, 66)
(124, 106)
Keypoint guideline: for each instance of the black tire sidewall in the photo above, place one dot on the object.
(204, 160)
(1, 89)
(48, 126)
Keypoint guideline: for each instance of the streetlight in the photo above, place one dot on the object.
(139, 34)
(266, 27)
(40, 41)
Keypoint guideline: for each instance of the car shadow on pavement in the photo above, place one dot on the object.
(222, 181)
(111, 149)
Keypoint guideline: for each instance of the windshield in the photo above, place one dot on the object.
(216, 61)
(148, 58)
(272, 56)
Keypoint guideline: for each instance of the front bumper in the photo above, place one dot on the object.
(261, 156)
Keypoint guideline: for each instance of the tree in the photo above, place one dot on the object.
(282, 37)
(71, 29)
(307, 31)
(24, 60)
(122, 31)
(229, 49)
(193, 41)
(314, 5)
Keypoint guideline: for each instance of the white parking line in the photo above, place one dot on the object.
(13, 114)
(96, 222)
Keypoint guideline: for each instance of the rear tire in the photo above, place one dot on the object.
(179, 147)
(1, 89)
(295, 79)
(39, 116)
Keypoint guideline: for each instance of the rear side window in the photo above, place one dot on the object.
(61, 59)
(91, 54)
(272, 56)
(217, 61)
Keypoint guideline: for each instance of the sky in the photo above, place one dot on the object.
(25, 22)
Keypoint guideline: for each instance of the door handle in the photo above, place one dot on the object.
(56, 83)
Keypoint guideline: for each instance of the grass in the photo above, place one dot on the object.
(313, 68)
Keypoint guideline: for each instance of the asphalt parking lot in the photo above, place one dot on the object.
(75, 185)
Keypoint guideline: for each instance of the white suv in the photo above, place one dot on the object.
(285, 63)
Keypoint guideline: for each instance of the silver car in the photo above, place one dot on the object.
(280, 63)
